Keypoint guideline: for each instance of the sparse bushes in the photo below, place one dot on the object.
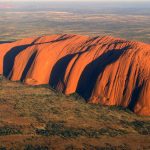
(76, 96)
(70, 147)
(59, 129)
(120, 108)
(1, 77)
(2, 148)
(142, 127)
(8, 131)
(37, 147)
(2, 100)
(37, 105)
(107, 146)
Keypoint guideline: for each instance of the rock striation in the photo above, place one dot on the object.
(102, 69)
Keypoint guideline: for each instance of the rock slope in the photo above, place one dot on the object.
(101, 69)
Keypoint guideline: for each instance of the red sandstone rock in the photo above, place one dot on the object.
(103, 70)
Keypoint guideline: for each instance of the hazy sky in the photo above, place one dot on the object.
(75, 0)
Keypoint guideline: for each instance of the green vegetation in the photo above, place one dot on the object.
(107, 147)
(59, 129)
(142, 127)
(120, 108)
(1, 78)
(2, 148)
(8, 131)
(37, 147)
(39, 113)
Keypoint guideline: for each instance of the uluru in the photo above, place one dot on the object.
(101, 69)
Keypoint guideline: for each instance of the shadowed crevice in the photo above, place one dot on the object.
(28, 65)
(5, 42)
(58, 71)
(92, 71)
(135, 95)
(63, 38)
(90, 74)
(10, 56)
(9, 59)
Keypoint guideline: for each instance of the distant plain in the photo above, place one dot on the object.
(129, 20)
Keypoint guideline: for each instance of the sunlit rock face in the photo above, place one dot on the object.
(101, 69)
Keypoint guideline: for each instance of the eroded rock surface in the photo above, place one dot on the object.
(101, 69)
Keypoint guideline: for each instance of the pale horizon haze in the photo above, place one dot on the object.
(77, 0)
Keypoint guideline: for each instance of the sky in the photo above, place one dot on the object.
(74, 0)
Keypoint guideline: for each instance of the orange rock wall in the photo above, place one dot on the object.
(103, 70)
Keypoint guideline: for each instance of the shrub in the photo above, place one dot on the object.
(59, 129)
(37, 147)
(8, 131)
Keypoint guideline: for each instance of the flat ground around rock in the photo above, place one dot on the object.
(39, 118)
